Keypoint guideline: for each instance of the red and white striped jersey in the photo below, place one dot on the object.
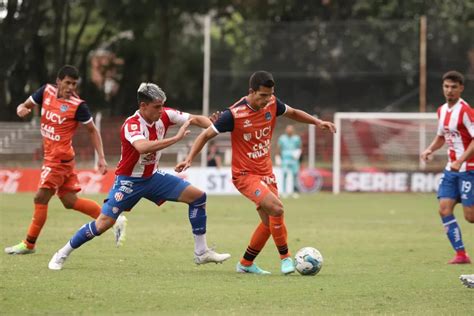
(133, 164)
(456, 125)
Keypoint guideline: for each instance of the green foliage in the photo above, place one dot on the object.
(336, 43)
(384, 254)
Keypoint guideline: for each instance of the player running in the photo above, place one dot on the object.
(456, 129)
(61, 111)
(251, 121)
(143, 137)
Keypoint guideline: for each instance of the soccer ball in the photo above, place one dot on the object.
(309, 261)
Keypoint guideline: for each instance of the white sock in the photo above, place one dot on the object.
(200, 244)
(66, 250)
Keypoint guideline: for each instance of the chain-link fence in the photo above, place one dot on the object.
(339, 66)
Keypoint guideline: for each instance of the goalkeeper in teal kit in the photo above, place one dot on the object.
(289, 145)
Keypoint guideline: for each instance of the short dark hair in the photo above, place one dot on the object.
(455, 76)
(261, 78)
(69, 71)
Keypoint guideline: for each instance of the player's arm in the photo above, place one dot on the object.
(468, 119)
(36, 98)
(200, 120)
(198, 144)
(96, 140)
(25, 108)
(456, 165)
(303, 117)
(84, 116)
(145, 146)
(436, 144)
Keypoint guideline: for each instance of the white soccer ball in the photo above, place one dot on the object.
(309, 261)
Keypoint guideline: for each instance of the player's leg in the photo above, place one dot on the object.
(286, 171)
(89, 207)
(272, 205)
(70, 200)
(466, 187)
(164, 186)
(86, 233)
(294, 174)
(196, 199)
(257, 242)
(119, 200)
(264, 195)
(40, 213)
(448, 195)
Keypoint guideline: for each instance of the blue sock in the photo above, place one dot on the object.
(197, 215)
(453, 231)
(84, 234)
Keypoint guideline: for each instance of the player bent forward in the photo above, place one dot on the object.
(251, 121)
(143, 137)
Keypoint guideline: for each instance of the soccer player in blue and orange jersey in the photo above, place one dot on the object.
(61, 112)
(251, 121)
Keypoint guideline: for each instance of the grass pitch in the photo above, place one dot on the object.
(384, 254)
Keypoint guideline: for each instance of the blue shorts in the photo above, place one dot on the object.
(457, 186)
(127, 191)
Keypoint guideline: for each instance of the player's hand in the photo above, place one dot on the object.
(455, 166)
(183, 130)
(426, 155)
(328, 126)
(215, 116)
(102, 166)
(22, 110)
(182, 166)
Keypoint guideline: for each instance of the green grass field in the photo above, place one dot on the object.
(384, 254)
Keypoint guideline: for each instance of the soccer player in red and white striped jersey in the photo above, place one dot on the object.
(456, 129)
(137, 175)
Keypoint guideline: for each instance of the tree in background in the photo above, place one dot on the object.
(351, 44)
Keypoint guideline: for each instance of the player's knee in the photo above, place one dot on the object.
(445, 210)
(469, 216)
(68, 203)
(40, 199)
(275, 208)
(200, 200)
(103, 223)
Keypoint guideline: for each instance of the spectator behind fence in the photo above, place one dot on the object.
(214, 158)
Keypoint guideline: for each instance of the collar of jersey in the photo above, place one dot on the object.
(248, 105)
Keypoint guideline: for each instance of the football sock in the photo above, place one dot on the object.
(280, 235)
(39, 218)
(87, 207)
(66, 250)
(200, 244)
(454, 233)
(257, 242)
(197, 215)
(84, 234)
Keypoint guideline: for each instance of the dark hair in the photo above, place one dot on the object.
(69, 71)
(455, 76)
(261, 78)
